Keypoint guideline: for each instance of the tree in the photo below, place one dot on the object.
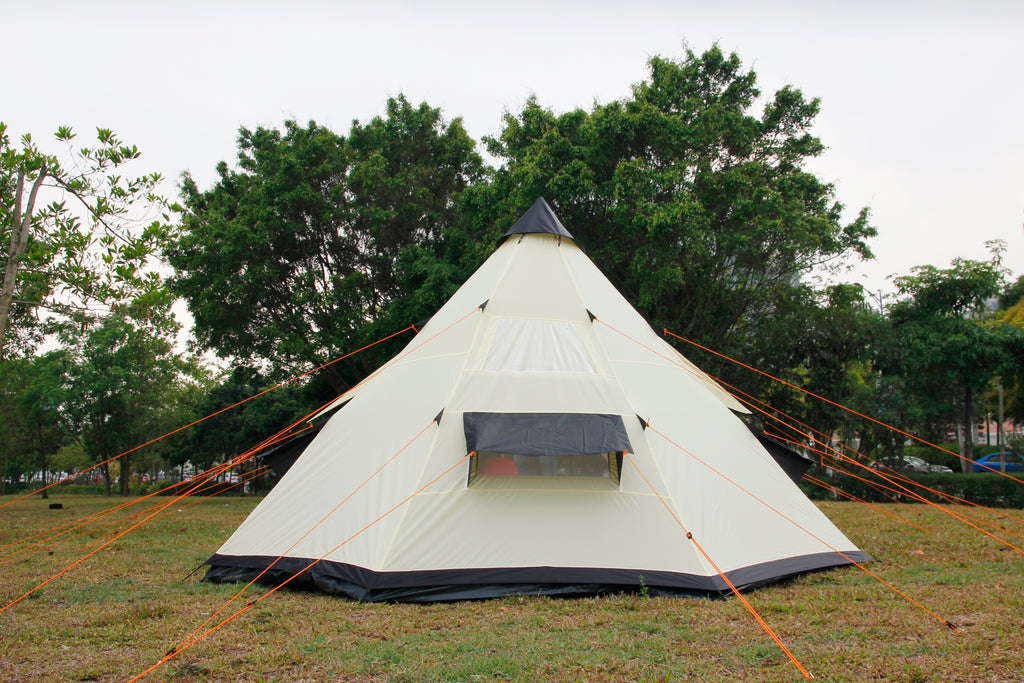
(77, 235)
(945, 346)
(26, 432)
(831, 346)
(40, 403)
(229, 433)
(123, 384)
(317, 244)
(698, 209)
(1012, 296)
(1011, 312)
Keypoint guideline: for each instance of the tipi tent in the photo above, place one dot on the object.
(536, 436)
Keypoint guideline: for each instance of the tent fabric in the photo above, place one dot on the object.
(383, 501)
(794, 464)
(537, 346)
(545, 433)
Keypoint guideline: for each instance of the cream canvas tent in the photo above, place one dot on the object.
(536, 436)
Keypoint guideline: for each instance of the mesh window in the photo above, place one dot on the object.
(491, 464)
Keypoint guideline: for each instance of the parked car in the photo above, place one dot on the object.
(910, 463)
(994, 462)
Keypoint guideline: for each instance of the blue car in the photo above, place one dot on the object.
(994, 462)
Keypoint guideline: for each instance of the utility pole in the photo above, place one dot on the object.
(999, 432)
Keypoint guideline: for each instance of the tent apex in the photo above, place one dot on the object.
(539, 218)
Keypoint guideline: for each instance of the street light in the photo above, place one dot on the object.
(877, 296)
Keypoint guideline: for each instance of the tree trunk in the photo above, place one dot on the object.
(21, 228)
(126, 473)
(106, 480)
(967, 450)
(864, 446)
(43, 459)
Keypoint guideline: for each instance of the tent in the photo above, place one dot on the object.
(536, 436)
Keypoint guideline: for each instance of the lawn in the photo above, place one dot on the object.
(118, 612)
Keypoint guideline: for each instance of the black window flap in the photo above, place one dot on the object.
(545, 433)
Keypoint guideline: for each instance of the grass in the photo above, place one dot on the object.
(118, 612)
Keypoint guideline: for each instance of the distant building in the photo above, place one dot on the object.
(987, 433)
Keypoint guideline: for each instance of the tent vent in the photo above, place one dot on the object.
(483, 305)
(438, 418)
(592, 316)
(419, 325)
(643, 422)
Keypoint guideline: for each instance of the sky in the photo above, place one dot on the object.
(921, 102)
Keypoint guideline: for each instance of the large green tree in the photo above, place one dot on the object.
(125, 383)
(692, 195)
(316, 244)
(945, 344)
(830, 340)
(76, 233)
(1011, 312)
(32, 431)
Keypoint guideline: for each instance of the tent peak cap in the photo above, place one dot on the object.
(539, 218)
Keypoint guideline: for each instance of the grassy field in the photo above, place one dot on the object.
(118, 612)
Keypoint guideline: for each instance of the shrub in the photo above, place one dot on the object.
(988, 489)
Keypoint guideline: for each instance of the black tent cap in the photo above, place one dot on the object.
(539, 218)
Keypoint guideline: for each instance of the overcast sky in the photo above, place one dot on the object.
(921, 101)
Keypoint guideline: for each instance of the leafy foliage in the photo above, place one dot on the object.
(87, 249)
(697, 209)
(238, 427)
(31, 432)
(317, 244)
(833, 350)
(125, 386)
(943, 344)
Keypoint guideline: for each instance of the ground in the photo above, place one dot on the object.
(118, 612)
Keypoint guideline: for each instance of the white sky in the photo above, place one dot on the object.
(921, 101)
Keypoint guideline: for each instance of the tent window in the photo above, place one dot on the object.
(545, 444)
(492, 464)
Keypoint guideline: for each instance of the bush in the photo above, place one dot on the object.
(990, 490)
